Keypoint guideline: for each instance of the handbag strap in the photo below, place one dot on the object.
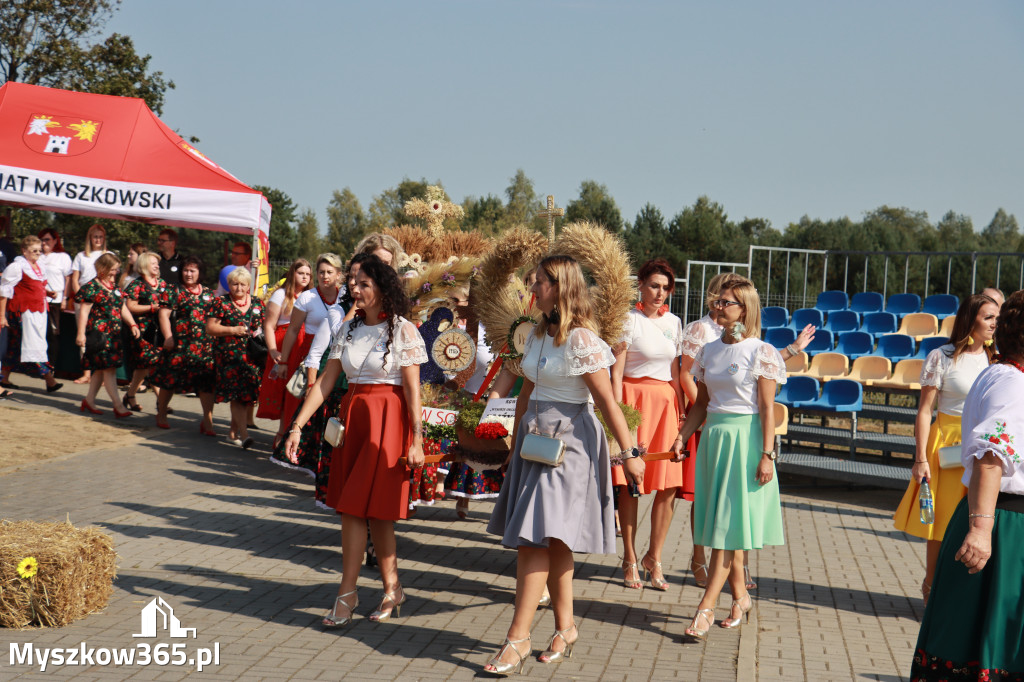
(376, 341)
(536, 410)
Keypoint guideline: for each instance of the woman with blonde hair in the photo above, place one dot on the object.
(736, 493)
(548, 512)
(129, 275)
(83, 268)
(144, 296)
(384, 246)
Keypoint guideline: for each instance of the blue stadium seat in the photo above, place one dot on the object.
(780, 337)
(878, 324)
(823, 342)
(855, 344)
(797, 391)
(901, 304)
(928, 344)
(829, 301)
(941, 305)
(840, 321)
(774, 316)
(896, 347)
(805, 316)
(839, 395)
(867, 302)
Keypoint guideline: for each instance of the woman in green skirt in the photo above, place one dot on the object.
(736, 494)
(973, 627)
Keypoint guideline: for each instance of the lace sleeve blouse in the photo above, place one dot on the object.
(363, 357)
(651, 345)
(730, 372)
(557, 371)
(953, 378)
(697, 334)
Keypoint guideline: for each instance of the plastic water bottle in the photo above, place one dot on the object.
(927, 503)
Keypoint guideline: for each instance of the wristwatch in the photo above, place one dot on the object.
(630, 454)
(771, 454)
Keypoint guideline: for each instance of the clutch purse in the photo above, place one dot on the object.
(949, 457)
(335, 432)
(297, 384)
(542, 449)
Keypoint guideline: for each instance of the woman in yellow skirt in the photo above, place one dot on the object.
(946, 377)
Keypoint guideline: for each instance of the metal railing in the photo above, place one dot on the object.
(694, 297)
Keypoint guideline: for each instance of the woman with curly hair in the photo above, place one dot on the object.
(946, 376)
(144, 296)
(380, 352)
(187, 366)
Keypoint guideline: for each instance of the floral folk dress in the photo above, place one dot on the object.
(147, 353)
(105, 319)
(188, 367)
(238, 377)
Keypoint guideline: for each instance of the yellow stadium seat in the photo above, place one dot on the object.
(907, 374)
(869, 369)
(919, 325)
(781, 419)
(797, 364)
(947, 327)
(825, 366)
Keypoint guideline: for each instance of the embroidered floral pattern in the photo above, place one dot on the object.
(928, 667)
(1003, 439)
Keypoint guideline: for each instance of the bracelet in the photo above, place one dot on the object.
(792, 350)
(134, 326)
(981, 516)
(295, 429)
(920, 461)
(679, 438)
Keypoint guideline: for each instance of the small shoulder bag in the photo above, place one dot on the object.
(546, 450)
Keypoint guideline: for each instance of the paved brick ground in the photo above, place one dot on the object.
(237, 548)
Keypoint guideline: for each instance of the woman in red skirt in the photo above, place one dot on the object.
(380, 352)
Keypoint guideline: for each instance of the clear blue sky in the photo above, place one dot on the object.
(773, 109)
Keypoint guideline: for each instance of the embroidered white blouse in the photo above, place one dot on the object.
(561, 368)
(13, 273)
(309, 302)
(993, 421)
(698, 333)
(362, 358)
(953, 378)
(651, 345)
(730, 372)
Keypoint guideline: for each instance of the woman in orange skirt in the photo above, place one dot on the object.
(380, 352)
(646, 376)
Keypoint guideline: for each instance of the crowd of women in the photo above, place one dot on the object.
(339, 347)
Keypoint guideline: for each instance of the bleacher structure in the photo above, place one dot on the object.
(878, 316)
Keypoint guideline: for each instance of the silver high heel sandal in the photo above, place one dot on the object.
(656, 583)
(504, 669)
(701, 633)
(331, 620)
(730, 622)
(552, 656)
(382, 614)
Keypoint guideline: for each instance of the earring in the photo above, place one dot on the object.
(360, 313)
(738, 329)
(988, 344)
(970, 340)
(382, 316)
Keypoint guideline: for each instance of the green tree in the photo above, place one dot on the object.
(284, 243)
(57, 43)
(346, 223)
(1001, 234)
(649, 238)
(596, 205)
(483, 215)
(703, 232)
(522, 204)
(388, 208)
(308, 235)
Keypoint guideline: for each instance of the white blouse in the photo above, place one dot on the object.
(730, 372)
(58, 267)
(993, 421)
(698, 333)
(322, 339)
(277, 298)
(561, 368)
(85, 266)
(651, 345)
(309, 302)
(953, 378)
(484, 356)
(362, 358)
(13, 273)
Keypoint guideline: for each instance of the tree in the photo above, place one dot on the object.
(308, 235)
(483, 215)
(522, 204)
(346, 223)
(1002, 234)
(388, 208)
(53, 43)
(283, 237)
(596, 205)
(648, 238)
(703, 232)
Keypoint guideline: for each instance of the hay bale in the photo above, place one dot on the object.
(75, 577)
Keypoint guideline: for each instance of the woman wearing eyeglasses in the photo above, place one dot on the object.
(736, 493)
(23, 311)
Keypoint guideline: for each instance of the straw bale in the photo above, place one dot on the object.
(75, 576)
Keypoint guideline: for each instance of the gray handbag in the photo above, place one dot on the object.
(546, 450)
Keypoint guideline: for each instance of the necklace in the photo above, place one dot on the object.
(199, 289)
(241, 307)
(1014, 363)
(105, 285)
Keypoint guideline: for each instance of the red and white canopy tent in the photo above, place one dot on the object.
(111, 157)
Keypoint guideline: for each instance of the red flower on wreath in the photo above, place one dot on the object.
(490, 431)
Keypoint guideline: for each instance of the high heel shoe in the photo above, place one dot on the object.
(504, 669)
(747, 580)
(708, 615)
(331, 620)
(382, 614)
(123, 415)
(552, 656)
(701, 569)
(205, 432)
(731, 622)
(130, 403)
(545, 599)
(162, 424)
(629, 570)
(86, 407)
(656, 583)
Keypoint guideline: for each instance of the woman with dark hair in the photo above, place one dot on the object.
(23, 311)
(187, 365)
(380, 352)
(946, 377)
(973, 624)
(144, 296)
(646, 377)
(548, 512)
(101, 308)
(736, 494)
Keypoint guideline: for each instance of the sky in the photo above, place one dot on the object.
(775, 110)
